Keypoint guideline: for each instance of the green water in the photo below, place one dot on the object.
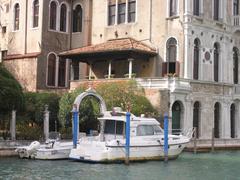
(212, 166)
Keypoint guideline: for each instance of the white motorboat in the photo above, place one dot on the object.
(51, 150)
(146, 140)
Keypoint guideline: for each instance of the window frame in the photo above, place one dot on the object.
(35, 17)
(57, 16)
(55, 70)
(196, 7)
(113, 12)
(81, 21)
(196, 59)
(16, 19)
(66, 17)
(235, 7)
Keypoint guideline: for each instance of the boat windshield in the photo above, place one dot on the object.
(113, 127)
(148, 130)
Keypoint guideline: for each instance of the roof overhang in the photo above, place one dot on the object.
(112, 49)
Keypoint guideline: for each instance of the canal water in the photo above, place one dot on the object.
(189, 166)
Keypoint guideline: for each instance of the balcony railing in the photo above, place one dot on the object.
(236, 20)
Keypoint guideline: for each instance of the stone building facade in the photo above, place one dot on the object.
(33, 32)
(185, 53)
(194, 75)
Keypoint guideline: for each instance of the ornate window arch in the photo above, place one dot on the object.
(16, 12)
(77, 18)
(196, 59)
(35, 13)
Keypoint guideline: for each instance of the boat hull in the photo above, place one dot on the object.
(101, 153)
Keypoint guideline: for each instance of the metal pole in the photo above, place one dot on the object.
(212, 139)
(75, 127)
(13, 125)
(127, 145)
(165, 137)
(46, 123)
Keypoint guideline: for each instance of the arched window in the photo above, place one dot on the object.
(63, 18)
(172, 7)
(196, 58)
(16, 16)
(53, 15)
(216, 62)
(216, 9)
(196, 117)
(35, 13)
(51, 69)
(216, 120)
(232, 113)
(196, 7)
(171, 65)
(77, 19)
(235, 7)
(235, 65)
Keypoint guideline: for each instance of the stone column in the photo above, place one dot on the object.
(187, 52)
(188, 114)
(13, 126)
(90, 71)
(225, 126)
(46, 123)
(130, 68)
(109, 69)
(207, 119)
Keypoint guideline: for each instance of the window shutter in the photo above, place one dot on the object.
(164, 69)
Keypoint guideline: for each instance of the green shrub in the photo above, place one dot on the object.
(120, 94)
(11, 95)
(26, 132)
(88, 111)
(35, 105)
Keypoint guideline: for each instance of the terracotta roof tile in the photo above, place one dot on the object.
(123, 44)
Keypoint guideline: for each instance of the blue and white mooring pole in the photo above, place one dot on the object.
(165, 137)
(75, 126)
(127, 144)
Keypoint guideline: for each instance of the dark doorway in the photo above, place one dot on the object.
(232, 113)
(196, 117)
(176, 117)
(216, 120)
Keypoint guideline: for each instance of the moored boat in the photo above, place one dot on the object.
(52, 149)
(146, 140)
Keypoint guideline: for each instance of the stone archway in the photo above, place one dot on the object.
(76, 105)
(90, 92)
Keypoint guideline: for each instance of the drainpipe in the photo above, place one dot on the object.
(26, 28)
(150, 21)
